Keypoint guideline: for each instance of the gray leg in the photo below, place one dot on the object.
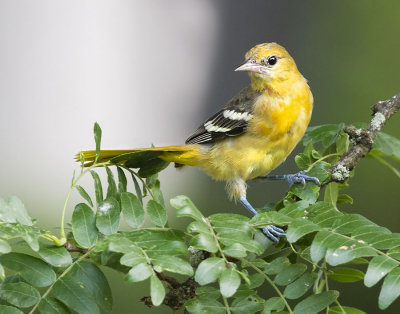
(271, 231)
(299, 177)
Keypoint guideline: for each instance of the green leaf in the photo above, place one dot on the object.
(122, 182)
(29, 234)
(108, 216)
(4, 247)
(152, 167)
(300, 228)
(156, 242)
(33, 270)
(92, 278)
(156, 213)
(75, 296)
(204, 242)
(342, 143)
(320, 170)
(97, 138)
(346, 309)
(277, 266)
(6, 213)
(344, 198)
(84, 194)
(19, 211)
(84, 226)
(229, 282)
(185, 207)
(390, 289)
(55, 256)
(156, 189)
(2, 273)
(344, 274)
(19, 294)
(323, 214)
(98, 188)
(233, 228)
(256, 280)
(5, 309)
(172, 264)
(132, 210)
(337, 248)
(274, 304)
(198, 227)
(139, 272)
(309, 193)
(51, 305)
(137, 188)
(388, 145)
(205, 305)
(112, 187)
(316, 303)
(247, 305)
(299, 287)
(378, 156)
(327, 134)
(303, 161)
(235, 250)
(209, 270)
(290, 274)
(133, 258)
(378, 268)
(331, 193)
(157, 290)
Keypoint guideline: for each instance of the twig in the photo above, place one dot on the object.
(73, 248)
(363, 139)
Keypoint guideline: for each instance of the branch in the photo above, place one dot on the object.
(363, 139)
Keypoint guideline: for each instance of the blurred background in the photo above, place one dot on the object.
(150, 72)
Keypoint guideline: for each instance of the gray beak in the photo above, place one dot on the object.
(251, 67)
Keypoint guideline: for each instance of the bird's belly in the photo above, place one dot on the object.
(248, 157)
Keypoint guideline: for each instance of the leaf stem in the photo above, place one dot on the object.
(141, 180)
(326, 282)
(306, 259)
(272, 284)
(63, 239)
(65, 272)
(216, 240)
(322, 158)
(228, 310)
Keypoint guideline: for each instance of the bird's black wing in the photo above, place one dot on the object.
(232, 120)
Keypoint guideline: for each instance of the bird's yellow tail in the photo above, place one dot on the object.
(190, 155)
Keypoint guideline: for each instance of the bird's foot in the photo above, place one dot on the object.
(300, 177)
(273, 232)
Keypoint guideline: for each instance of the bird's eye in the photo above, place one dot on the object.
(272, 60)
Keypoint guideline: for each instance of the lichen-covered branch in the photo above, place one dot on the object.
(363, 139)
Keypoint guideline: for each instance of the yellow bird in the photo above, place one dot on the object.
(252, 135)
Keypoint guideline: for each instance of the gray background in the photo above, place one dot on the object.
(151, 71)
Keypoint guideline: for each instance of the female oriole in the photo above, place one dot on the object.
(252, 134)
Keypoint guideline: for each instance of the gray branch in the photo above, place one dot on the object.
(363, 139)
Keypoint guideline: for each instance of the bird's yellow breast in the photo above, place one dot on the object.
(278, 125)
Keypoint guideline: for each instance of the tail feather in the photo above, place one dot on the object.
(180, 154)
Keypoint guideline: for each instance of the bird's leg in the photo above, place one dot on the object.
(299, 177)
(271, 231)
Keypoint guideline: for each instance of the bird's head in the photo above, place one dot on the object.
(269, 64)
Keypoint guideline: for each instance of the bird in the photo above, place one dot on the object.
(249, 137)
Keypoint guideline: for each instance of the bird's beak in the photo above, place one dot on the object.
(251, 67)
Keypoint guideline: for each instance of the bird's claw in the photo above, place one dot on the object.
(273, 232)
(301, 177)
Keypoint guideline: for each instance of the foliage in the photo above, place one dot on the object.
(231, 261)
